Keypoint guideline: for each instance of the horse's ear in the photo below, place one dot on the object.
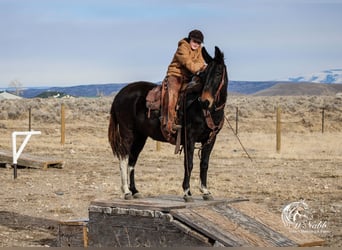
(207, 58)
(218, 55)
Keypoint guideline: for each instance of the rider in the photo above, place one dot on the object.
(187, 61)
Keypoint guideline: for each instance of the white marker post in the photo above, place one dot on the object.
(16, 153)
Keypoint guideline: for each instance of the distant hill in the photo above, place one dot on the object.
(327, 82)
(90, 90)
(260, 88)
(249, 87)
(93, 90)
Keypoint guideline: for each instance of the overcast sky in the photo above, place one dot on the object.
(71, 42)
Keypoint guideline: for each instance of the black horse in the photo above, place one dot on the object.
(203, 117)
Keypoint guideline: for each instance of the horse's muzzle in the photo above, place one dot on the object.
(206, 100)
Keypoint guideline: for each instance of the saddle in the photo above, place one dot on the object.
(153, 100)
(157, 102)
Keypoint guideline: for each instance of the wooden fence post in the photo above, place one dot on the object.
(323, 120)
(278, 129)
(237, 120)
(62, 124)
(30, 112)
(158, 145)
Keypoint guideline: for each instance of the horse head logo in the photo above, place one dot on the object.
(296, 214)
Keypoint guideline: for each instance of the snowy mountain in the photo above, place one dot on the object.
(326, 76)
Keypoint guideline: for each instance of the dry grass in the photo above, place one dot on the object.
(308, 165)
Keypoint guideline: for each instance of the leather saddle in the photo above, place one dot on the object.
(156, 96)
(153, 100)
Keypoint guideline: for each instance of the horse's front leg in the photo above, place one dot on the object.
(204, 165)
(188, 165)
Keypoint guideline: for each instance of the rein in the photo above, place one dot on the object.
(217, 97)
(207, 114)
(209, 121)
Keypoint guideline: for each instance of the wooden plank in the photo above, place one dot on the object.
(192, 233)
(198, 200)
(260, 214)
(253, 226)
(143, 204)
(163, 203)
(230, 228)
(219, 232)
(228, 225)
(31, 161)
(238, 228)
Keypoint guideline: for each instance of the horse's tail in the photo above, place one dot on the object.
(114, 137)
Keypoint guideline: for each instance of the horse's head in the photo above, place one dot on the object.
(214, 79)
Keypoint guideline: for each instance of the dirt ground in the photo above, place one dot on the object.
(308, 166)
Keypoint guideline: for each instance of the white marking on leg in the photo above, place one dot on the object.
(204, 189)
(124, 175)
(187, 192)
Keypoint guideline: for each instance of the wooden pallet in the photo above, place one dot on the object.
(168, 221)
(31, 161)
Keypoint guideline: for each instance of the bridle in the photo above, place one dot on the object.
(209, 121)
(207, 114)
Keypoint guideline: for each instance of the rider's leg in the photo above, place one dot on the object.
(174, 85)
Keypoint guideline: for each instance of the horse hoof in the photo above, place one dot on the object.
(188, 198)
(128, 196)
(208, 197)
(137, 196)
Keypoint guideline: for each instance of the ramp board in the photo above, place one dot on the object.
(168, 221)
(31, 161)
(243, 224)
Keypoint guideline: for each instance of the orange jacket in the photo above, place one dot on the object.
(186, 61)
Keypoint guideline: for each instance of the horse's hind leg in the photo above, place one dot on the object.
(127, 164)
(136, 148)
(127, 179)
(124, 178)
